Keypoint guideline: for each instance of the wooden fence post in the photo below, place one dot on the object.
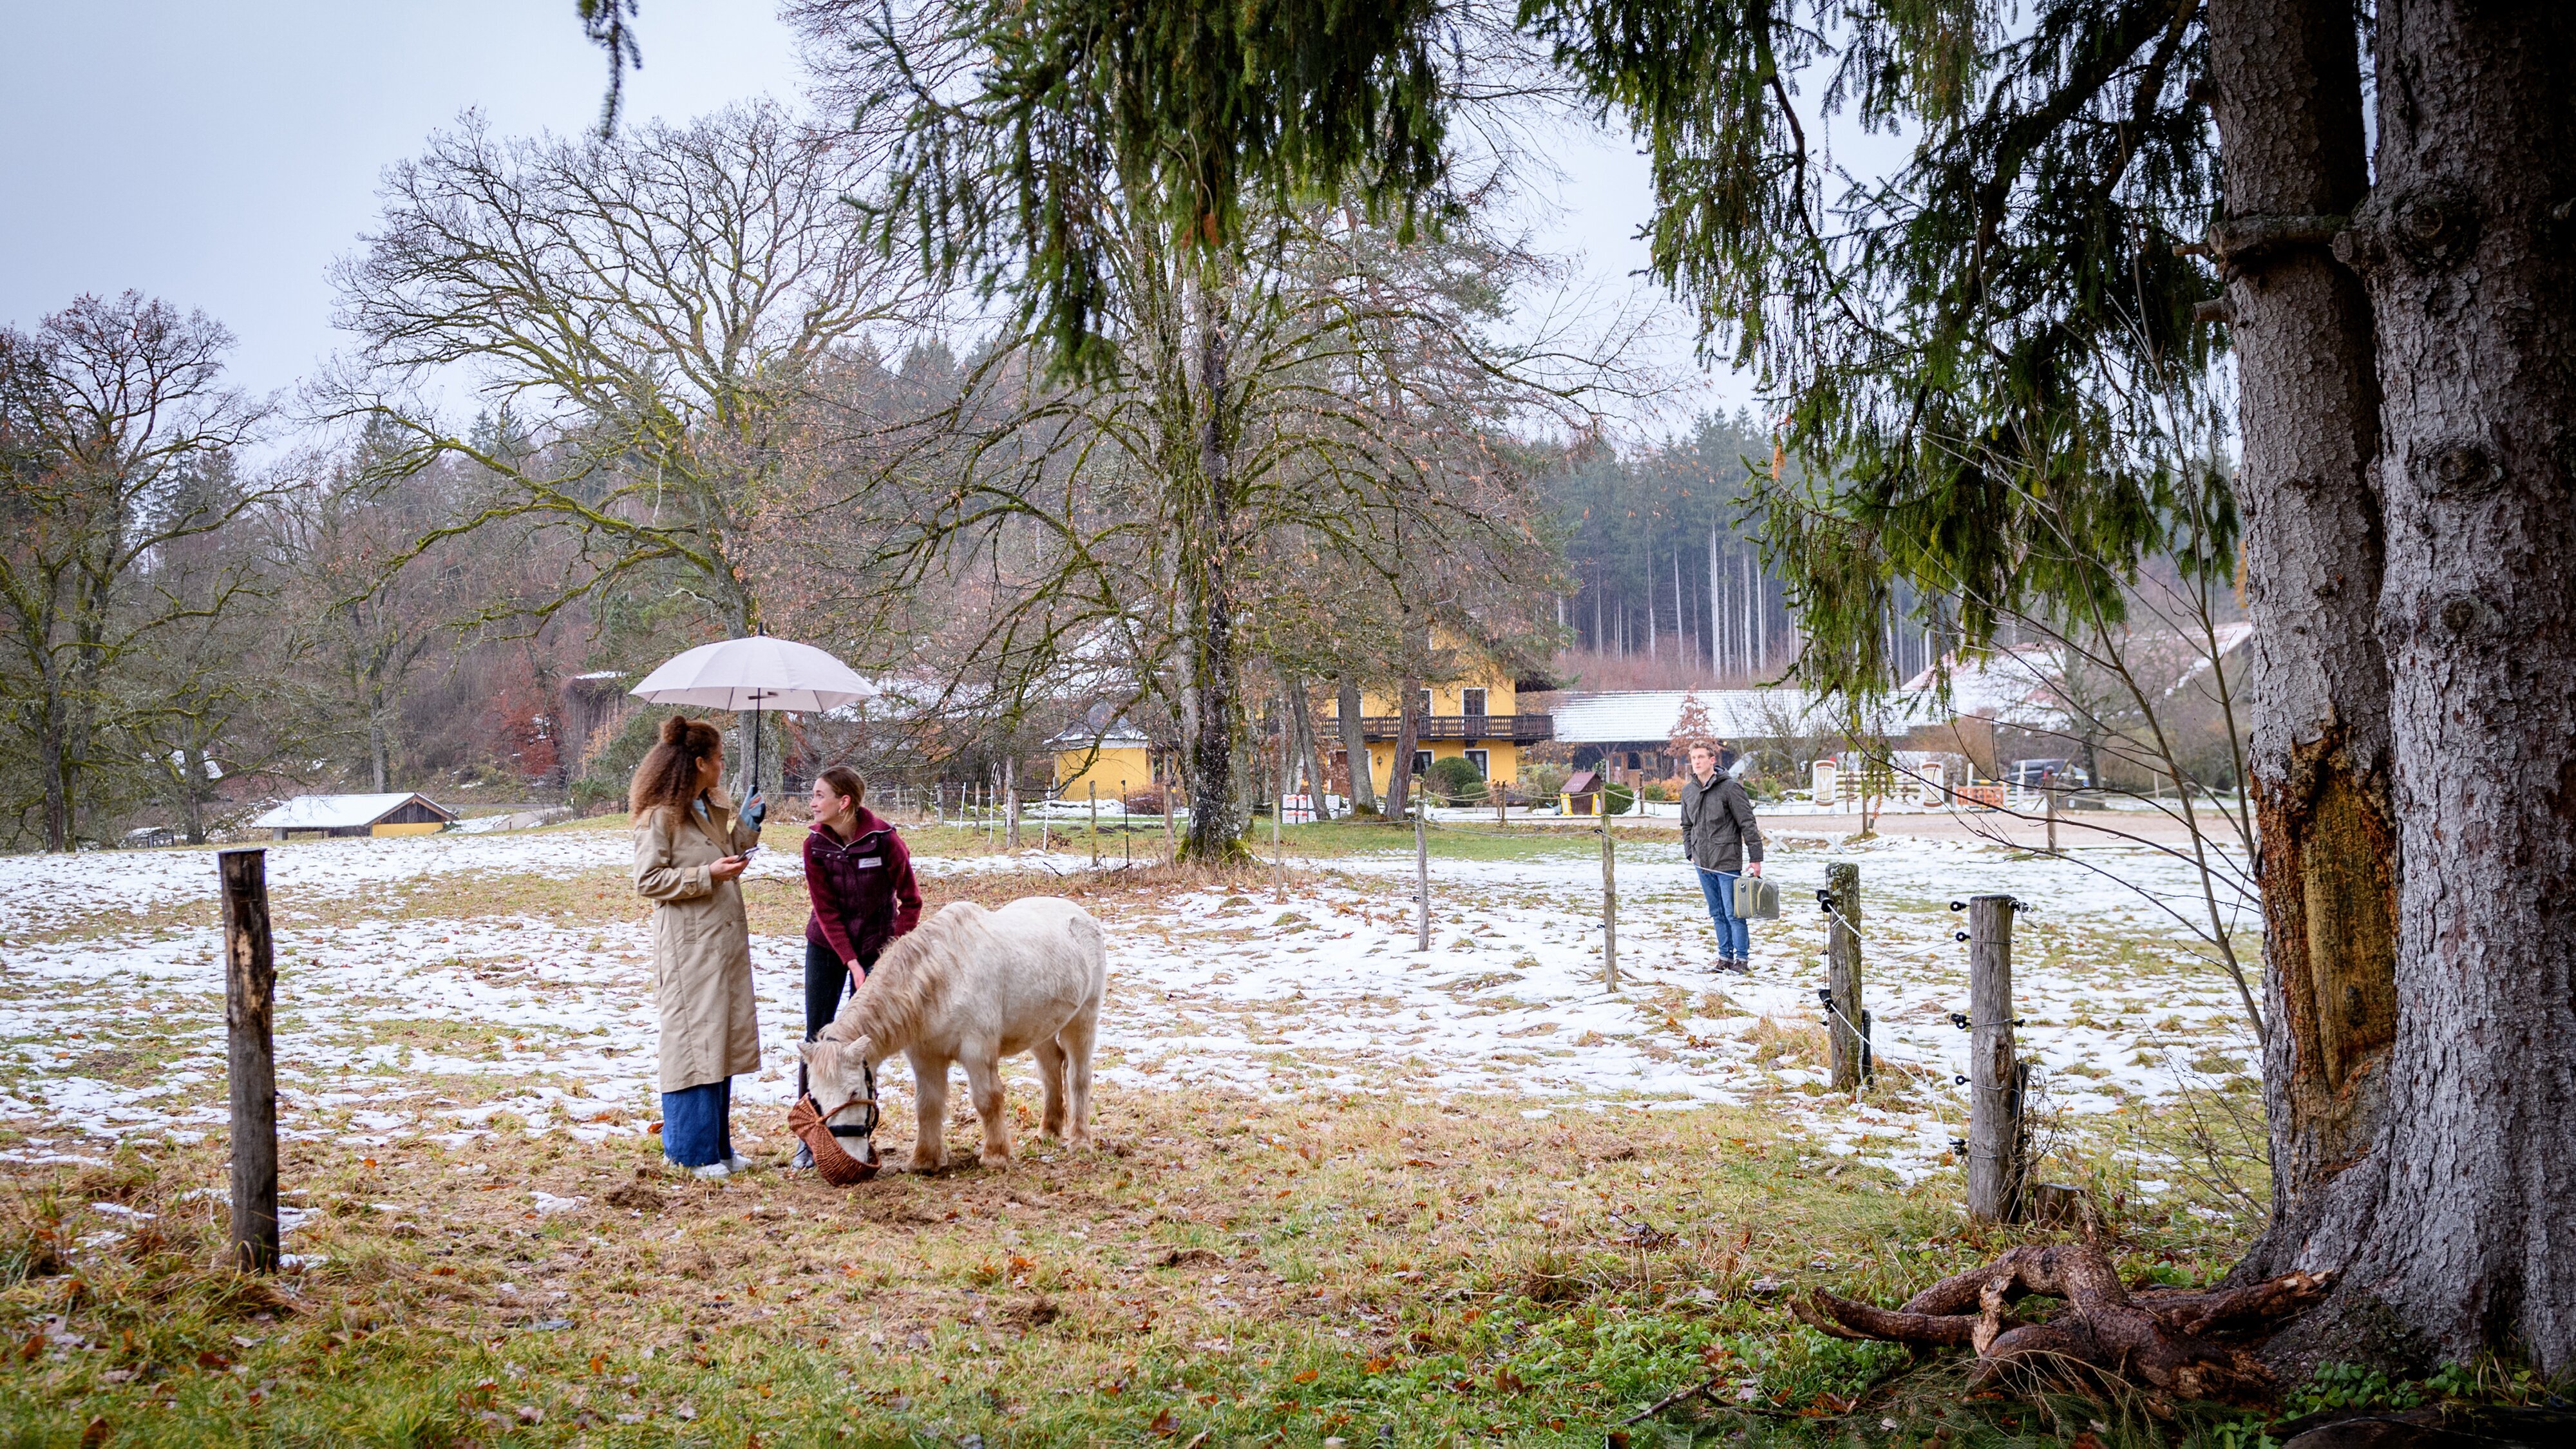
(1842, 973)
(2052, 815)
(1279, 821)
(1010, 803)
(1421, 877)
(1994, 1075)
(250, 992)
(1609, 900)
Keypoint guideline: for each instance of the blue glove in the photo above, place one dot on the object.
(757, 811)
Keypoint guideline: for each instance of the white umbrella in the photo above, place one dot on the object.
(755, 674)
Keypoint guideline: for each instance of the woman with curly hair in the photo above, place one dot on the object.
(690, 851)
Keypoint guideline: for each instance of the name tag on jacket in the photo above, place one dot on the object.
(871, 862)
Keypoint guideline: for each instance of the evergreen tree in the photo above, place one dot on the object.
(2012, 337)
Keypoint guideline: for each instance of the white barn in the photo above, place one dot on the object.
(321, 816)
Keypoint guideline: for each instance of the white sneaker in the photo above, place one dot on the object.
(711, 1171)
(739, 1163)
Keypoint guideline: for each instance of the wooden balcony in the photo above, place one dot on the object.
(1501, 729)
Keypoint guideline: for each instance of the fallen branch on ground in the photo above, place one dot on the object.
(1668, 1400)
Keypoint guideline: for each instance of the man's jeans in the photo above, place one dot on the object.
(1734, 937)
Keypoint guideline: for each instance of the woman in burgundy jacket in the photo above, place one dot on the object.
(859, 875)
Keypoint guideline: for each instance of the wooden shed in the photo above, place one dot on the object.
(314, 817)
(1582, 793)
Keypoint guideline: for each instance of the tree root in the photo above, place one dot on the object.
(2155, 1337)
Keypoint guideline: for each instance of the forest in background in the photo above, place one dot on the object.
(214, 599)
(1662, 541)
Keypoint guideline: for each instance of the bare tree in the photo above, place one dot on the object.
(112, 414)
(374, 603)
(1101, 525)
(650, 316)
(201, 707)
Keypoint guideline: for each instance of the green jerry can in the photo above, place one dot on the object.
(1756, 899)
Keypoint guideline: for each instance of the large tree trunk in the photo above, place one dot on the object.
(2289, 114)
(1310, 757)
(1355, 747)
(53, 737)
(1219, 812)
(193, 795)
(56, 763)
(1399, 775)
(2468, 246)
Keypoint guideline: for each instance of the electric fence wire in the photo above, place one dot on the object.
(1950, 1078)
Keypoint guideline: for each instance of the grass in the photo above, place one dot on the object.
(1365, 1269)
(1377, 1269)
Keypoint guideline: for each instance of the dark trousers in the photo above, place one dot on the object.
(826, 982)
(697, 1124)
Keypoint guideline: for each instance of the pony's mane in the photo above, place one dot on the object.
(909, 981)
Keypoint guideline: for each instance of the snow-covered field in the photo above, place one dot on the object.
(398, 1023)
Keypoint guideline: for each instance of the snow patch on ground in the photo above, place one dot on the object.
(1322, 991)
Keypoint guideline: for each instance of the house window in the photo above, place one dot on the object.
(1632, 760)
(1471, 701)
(1422, 762)
(1422, 701)
(1483, 761)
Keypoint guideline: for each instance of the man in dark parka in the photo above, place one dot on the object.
(1722, 841)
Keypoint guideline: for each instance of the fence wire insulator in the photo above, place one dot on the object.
(1958, 935)
(1959, 1019)
(1958, 905)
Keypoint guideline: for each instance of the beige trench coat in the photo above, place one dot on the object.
(701, 944)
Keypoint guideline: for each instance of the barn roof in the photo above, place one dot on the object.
(1626, 715)
(1117, 735)
(341, 812)
(2022, 684)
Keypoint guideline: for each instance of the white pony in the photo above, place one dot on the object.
(974, 986)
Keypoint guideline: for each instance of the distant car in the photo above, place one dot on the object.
(2034, 774)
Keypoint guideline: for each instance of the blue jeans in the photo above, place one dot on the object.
(1734, 936)
(697, 1124)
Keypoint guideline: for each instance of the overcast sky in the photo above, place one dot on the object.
(220, 154)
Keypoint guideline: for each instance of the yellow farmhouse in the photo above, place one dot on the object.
(1121, 765)
(1475, 717)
